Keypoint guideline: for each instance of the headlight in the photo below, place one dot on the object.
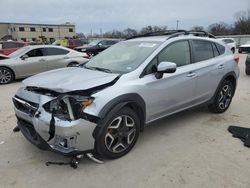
(68, 107)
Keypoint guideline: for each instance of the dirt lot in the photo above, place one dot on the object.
(191, 149)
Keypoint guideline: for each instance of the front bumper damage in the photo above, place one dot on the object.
(70, 137)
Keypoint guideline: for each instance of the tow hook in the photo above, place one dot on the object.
(74, 162)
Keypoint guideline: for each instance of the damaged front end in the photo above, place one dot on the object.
(56, 121)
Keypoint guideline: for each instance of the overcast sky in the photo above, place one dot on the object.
(121, 14)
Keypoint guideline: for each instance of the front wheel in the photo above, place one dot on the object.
(119, 134)
(223, 97)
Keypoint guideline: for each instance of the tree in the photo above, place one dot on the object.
(220, 29)
(242, 23)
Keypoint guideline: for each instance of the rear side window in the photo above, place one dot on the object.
(220, 48)
(178, 53)
(56, 51)
(202, 50)
(7, 45)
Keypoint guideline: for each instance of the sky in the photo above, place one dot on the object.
(120, 14)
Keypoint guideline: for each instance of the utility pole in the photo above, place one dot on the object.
(177, 24)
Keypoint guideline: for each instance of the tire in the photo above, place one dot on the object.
(6, 75)
(247, 71)
(233, 50)
(223, 97)
(116, 138)
(73, 64)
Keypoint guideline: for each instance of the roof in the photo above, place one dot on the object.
(69, 25)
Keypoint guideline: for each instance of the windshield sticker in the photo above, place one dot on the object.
(147, 45)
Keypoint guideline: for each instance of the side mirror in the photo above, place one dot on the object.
(165, 67)
(100, 44)
(25, 56)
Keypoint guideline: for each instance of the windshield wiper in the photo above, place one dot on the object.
(99, 69)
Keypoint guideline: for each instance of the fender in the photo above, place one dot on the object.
(118, 103)
(224, 78)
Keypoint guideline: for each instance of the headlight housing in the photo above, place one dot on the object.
(68, 107)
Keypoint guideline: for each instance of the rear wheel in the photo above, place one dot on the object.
(6, 75)
(119, 134)
(223, 97)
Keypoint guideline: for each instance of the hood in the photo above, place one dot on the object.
(70, 79)
(245, 45)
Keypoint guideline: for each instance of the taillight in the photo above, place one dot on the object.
(237, 59)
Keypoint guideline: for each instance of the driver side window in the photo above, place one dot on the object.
(178, 52)
(35, 53)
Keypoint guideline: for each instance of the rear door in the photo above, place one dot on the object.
(34, 63)
(57, 57)
(175, 91)
(210, 68)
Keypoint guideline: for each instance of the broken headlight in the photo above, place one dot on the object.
(68, 107)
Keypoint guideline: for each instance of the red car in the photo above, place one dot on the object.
(7, 47)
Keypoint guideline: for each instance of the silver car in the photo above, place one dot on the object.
(31, 60)
(102, 106)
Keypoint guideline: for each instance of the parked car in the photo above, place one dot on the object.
(31, 60)
(230, 42)
(247, 68)
(96, 46)
(245, 47)
(69, 43)
(102, 106)
(8, 47)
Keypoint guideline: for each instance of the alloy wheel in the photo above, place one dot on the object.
(5, 76)
(120, 134)
(225, 97)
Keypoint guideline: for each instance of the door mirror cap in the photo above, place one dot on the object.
(166, 67)
(25, 56)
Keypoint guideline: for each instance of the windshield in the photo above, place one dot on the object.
(94, 42)
(18, 52)
(123, 57)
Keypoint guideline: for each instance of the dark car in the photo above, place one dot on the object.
(96, 46)
(248, 64)
(8, 47)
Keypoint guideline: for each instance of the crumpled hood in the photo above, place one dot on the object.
(70, 79)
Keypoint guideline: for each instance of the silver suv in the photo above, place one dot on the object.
(103, 105)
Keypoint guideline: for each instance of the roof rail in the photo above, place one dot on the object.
(202, 34)
(159, 33)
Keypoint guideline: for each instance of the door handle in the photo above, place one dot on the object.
(221, 66)
(191, 74)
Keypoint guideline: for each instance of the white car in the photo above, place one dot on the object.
(31, 60)
(230, 42)
(245, 47)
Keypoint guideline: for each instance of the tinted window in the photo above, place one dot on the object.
(216, 52)
(70, 30)
(7, 45)
(202, 50)
(56, 51)
(178, 53)
(35, 53)
(220, 48)
(50, 29)
(228, 41)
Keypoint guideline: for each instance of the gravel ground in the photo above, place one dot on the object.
(191, 149)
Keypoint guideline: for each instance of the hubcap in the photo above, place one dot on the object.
(120, 134)
(225, 97)
(5, 76)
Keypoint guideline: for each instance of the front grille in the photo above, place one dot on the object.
(25, 106)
